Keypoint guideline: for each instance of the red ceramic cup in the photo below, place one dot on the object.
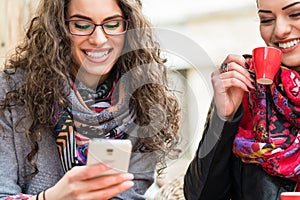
(290, 196)
(266, 62)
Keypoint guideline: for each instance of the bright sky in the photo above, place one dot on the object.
(166, 11)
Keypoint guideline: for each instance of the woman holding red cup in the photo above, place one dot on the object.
(250, 147)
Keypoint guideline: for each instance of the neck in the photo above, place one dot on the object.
(93, 82)
(90, 81)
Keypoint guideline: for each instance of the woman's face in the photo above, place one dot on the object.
(280, 27)
(95, 54)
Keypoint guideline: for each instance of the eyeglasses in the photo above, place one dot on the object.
(84, 27)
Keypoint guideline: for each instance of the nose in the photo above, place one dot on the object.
(98, 37)
(282, 28)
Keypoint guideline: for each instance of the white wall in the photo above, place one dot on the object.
(219, 28)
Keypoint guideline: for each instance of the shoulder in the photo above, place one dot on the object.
(10, 79)
(8, 76)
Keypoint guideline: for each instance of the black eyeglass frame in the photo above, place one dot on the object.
(125, 21)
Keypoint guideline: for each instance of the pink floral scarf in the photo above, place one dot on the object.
(269, 133)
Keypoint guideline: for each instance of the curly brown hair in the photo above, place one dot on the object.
(45, 56)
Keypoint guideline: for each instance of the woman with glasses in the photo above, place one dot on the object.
(86, 69)
(250, 146)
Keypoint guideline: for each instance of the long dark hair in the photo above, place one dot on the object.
(45, 56)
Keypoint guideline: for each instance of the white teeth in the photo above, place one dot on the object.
(97, 54)
(289, 44)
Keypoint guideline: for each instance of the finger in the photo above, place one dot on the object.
(106, 181)
(237, 75)
(223, 81)
(233, 61)
(234, 82)
(80, 173)
(107, 193)
(240, 69)
(77, 188)
(240, 60)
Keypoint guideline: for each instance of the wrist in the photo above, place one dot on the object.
(50, 194)
(44, 194)
(39, 196)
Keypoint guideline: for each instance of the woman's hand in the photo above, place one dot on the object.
(229, 86)
(84, 183)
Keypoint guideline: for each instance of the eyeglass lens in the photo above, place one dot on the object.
(83, 27)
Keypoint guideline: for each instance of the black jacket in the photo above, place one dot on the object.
(217, 174)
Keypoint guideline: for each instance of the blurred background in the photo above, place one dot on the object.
(220, 27)
(216, 27)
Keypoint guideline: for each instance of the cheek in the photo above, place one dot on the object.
(266, 34)
(76, 49)
(263, 32)
(120, 43)
(291, 60)
(76, 60)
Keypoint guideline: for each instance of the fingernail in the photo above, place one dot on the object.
(128, 184)
(128, 176)
(252, 76)
(249, 88)
(246, 65)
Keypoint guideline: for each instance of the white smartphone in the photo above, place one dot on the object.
(115, 153)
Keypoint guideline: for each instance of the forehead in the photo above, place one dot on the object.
(274, 4)
(95, 9)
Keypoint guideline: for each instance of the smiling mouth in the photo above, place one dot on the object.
(97, 55)
(286, 45)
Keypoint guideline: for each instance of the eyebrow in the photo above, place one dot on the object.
(284, 8)
(88, 18)
(264, 11)
(290, 5)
